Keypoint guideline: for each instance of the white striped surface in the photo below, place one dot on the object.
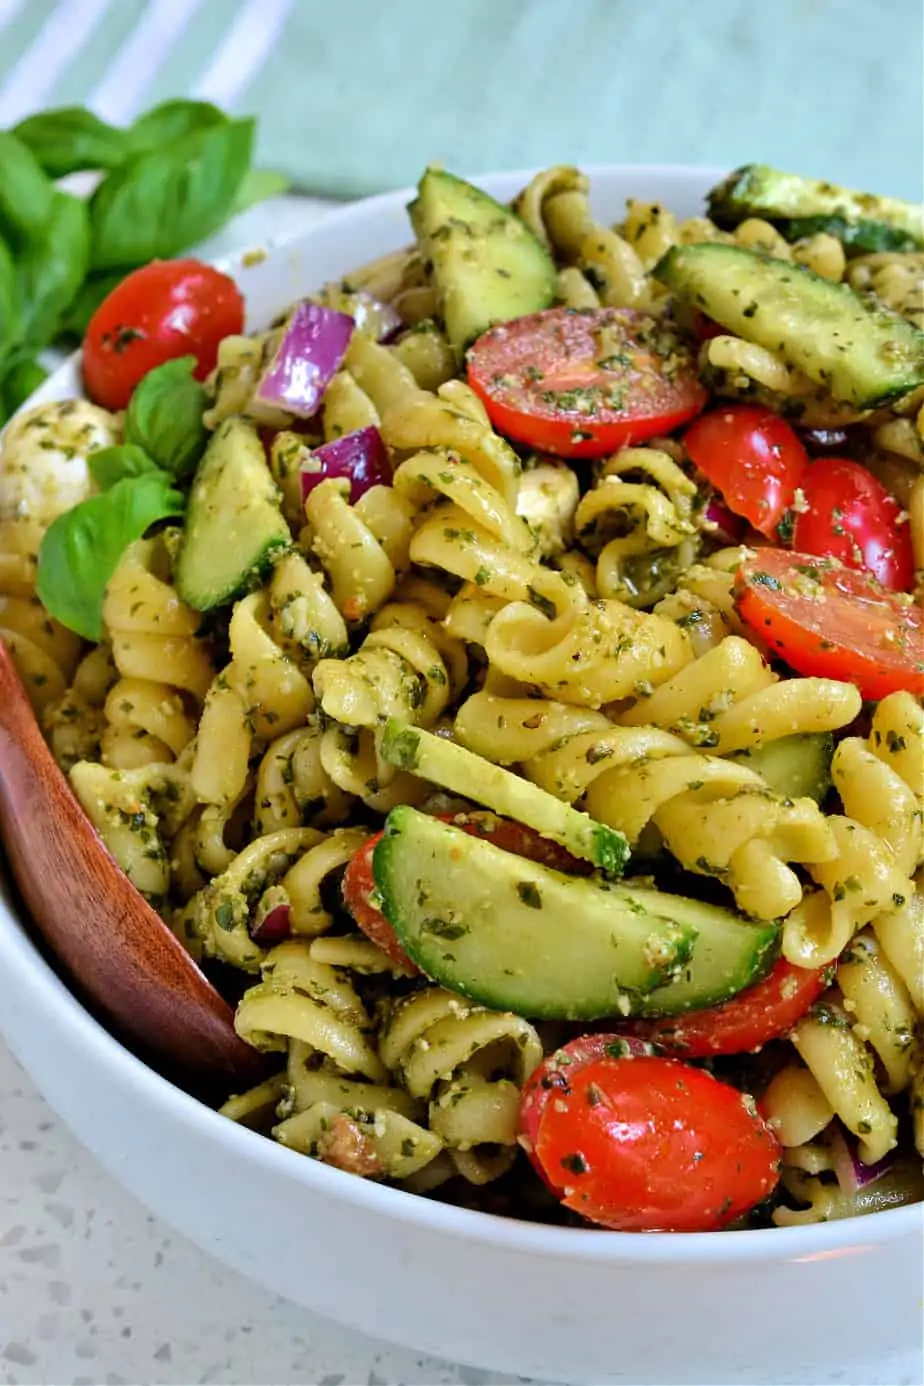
(121, 94)
(31, 84)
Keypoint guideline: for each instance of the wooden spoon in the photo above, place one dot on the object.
(119, 951)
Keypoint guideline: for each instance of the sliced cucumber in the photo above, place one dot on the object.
(862, 354)
(463, 772)
(797, 766)
(731, 953)
(518, 936)
(487, 265)
(804, 206)
(234, 527)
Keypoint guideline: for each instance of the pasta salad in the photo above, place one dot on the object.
(505, 675)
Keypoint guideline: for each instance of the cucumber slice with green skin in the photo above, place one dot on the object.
(731, 953)
(796, 767)
(518, 936)
(805, 206)
(487, 266)
(862, 354)
(234, 528)
(463, 772)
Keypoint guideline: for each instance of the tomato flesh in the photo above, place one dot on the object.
(753, 457)
(848, 514)
(829, 621)
(359, 890)
(166, 309)
(584, 382)
(649, 1144)
(748, 1021)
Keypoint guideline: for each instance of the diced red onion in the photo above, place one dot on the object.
(729, 527)
(361, 457)
(852, 1174)
(274, 927)
(310, 353)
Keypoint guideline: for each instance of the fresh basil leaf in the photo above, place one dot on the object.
(51, 269)
(165, 416)
(160, 202)
(25, 192)
(107, 466)
(81, 549)
(95, 289)
(170, 121)
(258, 185)
(20, 380)
(9, 301)
(71, 139)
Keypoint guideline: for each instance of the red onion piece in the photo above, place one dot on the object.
(729, 527)
(310, 353)
(361, 457)
(275, 926)
(852, 1174)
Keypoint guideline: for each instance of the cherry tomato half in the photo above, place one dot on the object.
(830, 621)
(850, 515)
(358, 887)
(745, 1023)
(584, 382)
(165, 309)
(753, 457)
(648, 1144)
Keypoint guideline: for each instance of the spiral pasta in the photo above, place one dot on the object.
(337, 1101)
(450, 1054)
(878, 846)
(641, 532)
(717, 817)
(576, 621)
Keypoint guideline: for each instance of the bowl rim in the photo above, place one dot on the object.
(52, 996)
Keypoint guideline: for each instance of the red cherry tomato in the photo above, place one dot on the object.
(753, 457)
(648, 1144)
(584, 382)
(745, 1023)
(359, 892)
(165, 309)
(850, 515)
(830, 621)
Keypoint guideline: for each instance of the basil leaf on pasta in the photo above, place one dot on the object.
(26, 192)
(169, 197)
(71, 139)
(109, 466)
(81, 549)
(165, 416)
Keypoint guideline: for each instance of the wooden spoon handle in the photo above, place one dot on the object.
(110, 940)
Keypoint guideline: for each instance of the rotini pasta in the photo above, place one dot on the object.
(546, 567)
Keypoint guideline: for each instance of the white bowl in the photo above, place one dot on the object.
(803, 1304)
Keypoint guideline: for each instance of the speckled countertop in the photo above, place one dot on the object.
(95, 1290)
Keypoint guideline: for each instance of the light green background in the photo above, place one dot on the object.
(358, 94)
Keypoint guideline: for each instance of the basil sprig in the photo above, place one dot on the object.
(137, 480)
(170, 180)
